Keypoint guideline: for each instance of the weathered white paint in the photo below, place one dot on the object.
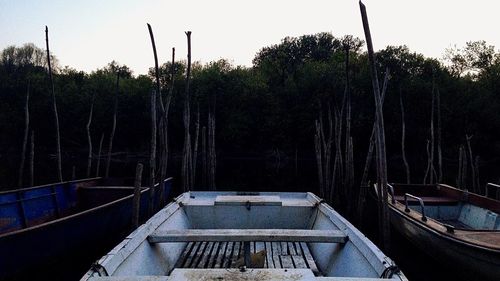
(237, 235)
(299, 213)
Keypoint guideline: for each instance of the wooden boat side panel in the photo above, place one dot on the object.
(36, 205)
(479, 261)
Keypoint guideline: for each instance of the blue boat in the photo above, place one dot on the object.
(44, 227)
(245, 236)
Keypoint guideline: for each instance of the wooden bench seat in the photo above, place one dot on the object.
(243, 235)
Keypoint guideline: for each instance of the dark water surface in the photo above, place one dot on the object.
(269, 173)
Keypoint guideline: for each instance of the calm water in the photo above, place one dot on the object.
(268, 173)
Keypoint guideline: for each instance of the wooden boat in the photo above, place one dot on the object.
(42, 227)
(220, 235)
(458, 228)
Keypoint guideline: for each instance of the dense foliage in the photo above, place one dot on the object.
(265, 111)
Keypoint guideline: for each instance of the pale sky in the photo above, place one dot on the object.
(87, 35)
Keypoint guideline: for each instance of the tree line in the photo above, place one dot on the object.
(268, 108)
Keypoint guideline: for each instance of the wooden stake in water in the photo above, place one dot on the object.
(136, 207)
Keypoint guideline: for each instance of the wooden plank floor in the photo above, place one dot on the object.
(224, 254)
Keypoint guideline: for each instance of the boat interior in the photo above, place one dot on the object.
(450, 206)
(24, 208)
(208, 233)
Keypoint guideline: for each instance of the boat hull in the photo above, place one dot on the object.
(474, 261)
(65, 247)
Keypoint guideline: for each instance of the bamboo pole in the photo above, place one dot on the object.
(152, 158)
(384, 226)
(113, 128)
(159, 103)
(403, 136)
(348, 172)
(25, 138)
(371, 146)
(460, 162)
(195, 152)
(325, 148)
(186, 181)
(165, 128)
(89, 137)
(464, 168)
(204, 157)
(428, 169)
(337, 172)
(99, 156)
(157, 73)
(440, 157)
(54, 107)
(136, 207)
(472, 166)
(431, 160)
(212, 154)
(319, 155)
(32, 159)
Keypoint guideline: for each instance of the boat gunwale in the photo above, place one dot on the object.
(48, 185)
(75, 215)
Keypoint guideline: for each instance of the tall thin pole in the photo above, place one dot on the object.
(25, 138)
(99, 156)
(186, 160)
(113, 128)
(89, 137)
(54, 106)
(136, 207)
(440, 157)
(384, 226)
(152, 158)
(32, 158)
(403, 136)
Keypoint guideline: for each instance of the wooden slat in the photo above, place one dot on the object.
(220, 254)
(284, 248)
(286, 261)
(213, 255)
(227, 255)
(189, 259)
(309, 259)
(269, 255)
(199, 254)
(297, 248)
(298, 261)
(184, 255)
(276, 254)
(291, 249)
(237, 235)
(206, 255)
(236, 252)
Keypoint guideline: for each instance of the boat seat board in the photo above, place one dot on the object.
(438, 200)
(235, 274)
(225, 254)
(237, 235)
(255, 200)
